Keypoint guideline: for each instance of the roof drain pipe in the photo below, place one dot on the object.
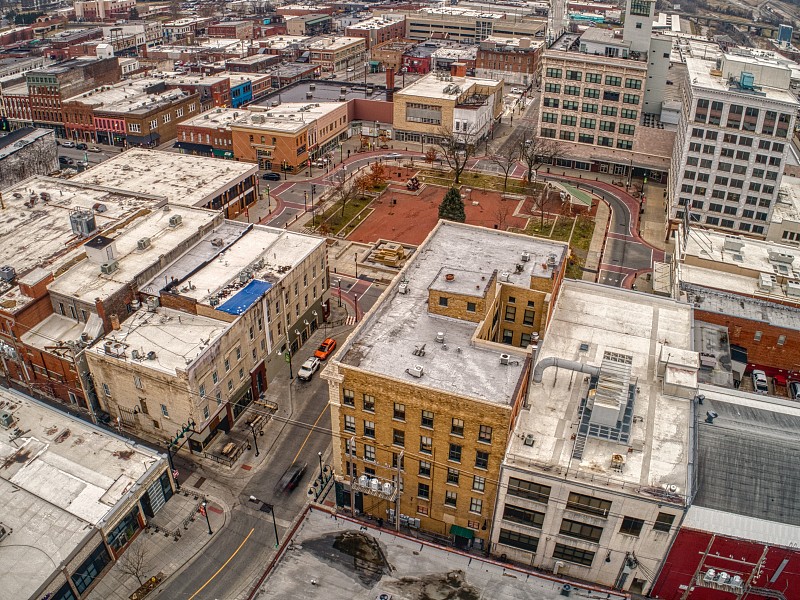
(563, 363)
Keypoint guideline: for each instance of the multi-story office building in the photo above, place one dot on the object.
(733, 141)
(451, 103)
(514, 60)
(378, 30)
(598, 472)
(337, 53)
(468, 25)
(430, 384)
(600, 92)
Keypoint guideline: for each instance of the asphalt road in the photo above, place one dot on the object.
(238, 554)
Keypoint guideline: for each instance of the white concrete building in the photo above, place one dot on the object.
(784, 227)
(598, 471)
(732, 144)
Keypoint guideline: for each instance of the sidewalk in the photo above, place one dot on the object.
(172, 539)
(595, 255)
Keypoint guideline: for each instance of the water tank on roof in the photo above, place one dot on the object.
(82, 222)
(747, 80)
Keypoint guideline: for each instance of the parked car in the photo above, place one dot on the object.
(94, 149)
(760, 383)
(307, 370)
(516, 91)
(271, 176)
(82, 146)
(325, 349)
(291, 478)
(350, 69)
(68, 144)
(65, 160)
(392, 155)
(793, 387)
(82, 163)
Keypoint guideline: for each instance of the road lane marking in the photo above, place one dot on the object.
(225, 564)
(310, 431)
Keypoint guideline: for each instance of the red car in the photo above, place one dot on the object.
(325, 349)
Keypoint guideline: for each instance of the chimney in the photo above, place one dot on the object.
(114, 322)
(390, 79)
(458, 69)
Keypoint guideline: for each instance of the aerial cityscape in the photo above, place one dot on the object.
(391, 300)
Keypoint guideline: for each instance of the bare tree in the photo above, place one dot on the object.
(344, 190)
(502, 213)
(132, 562)
(457, 147)
(534, 151)
(506, 164)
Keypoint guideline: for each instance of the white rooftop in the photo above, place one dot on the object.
(287, 117)
(282, 41)
(456, 11)
(464, 365)
(429, 86)
(48, 223)
(127, 95)
(214, 270)
(220, 118)
(787, 208)
(183, 179)
(469, 53)
(59, 479)
(700, 77)
(377, 22)
(178, 339)
(85, 282)
(333, 43)
(626, 323)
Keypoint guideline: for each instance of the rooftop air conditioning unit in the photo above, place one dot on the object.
(143, 243)
(6, 419)
(403, 287)
(526, 256)
(7, 273)
(529, 439)
(416, 371)
(175, 220)
(505, 359)
(109, 267)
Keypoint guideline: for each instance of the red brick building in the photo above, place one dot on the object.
(515, 59)
(239, 30)
(378, 30)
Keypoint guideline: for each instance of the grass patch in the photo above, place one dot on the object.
(348, 229)
(471, 179)
(334, 220)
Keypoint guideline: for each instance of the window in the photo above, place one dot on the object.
(471, 307)
(574, 555)
(398, 437)
(550, 72)
(572, 90)
(457, 427)
(518, 540)
(369, 453)
(607, 126)
(454, 453)
(481, 459)
(508, 336)
(663, 522)
(511, 313)
(424, 468)
(624, 144)
(547, 132)
(423, 491)
(399, 412)
(581, 531)
(587, 123)
(369, 429)
(478, 483)
(91, 568)
(398, 461)
(566, 135)
(613, 80)
(452, 476)
(605, 141)
(589, 108)
(227, 365)
(241, 373)
(476, 505)
(591, 93)
(528, 317)
(593, 77)
(214, 377)
(633, 84)
(425, 445)
(450, 498)
(588, 504)
(573, 75)
(551, 102)
(631, 526)
(630, 113)
(349, 397)
(442, 301)
(570, 105)
(230, 385)
(369, 403)
(524, 516)
(164, 411)
(554, 88)
(134, 127)
(627, 129)
(485, 434)
(630, 98)
(569, 120)
(137, 381)
(154, 124)
(350, 423)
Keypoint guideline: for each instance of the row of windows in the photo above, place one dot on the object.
(741, 117)
(570, 136)
(571, 75)
(550, 102)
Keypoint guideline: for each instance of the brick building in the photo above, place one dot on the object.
(208, 134)
(309, 25)
(390, 54)
(378, 30)
(213, 90)
(232, 30)
(258, 63)
(515, 60)
(409, 437)
(335, 54)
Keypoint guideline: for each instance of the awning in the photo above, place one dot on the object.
(222, 153)
(192, 147)
(143, 139)
(462, 532)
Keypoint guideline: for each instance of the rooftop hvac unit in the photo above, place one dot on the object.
(152, 304)
(135, 354)
(529, 439)
(143, 243)
(213, 301)
(403, 287)
(109, 267)
(82, 222)
(6, 419)
(440, 337)
(505, 359)
(175, 220)
(416, 371)
(7, 273)
(526, 256)
(151, 355)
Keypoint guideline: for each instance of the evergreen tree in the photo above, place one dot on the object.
(452, 207)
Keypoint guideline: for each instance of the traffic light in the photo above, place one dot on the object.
(313, 188)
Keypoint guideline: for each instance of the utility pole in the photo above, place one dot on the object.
(397, 501)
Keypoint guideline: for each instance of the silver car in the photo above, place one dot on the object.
(308, 368)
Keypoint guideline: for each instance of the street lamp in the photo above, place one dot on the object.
(285, 167)
(255, 439)
(355, 260)
(205, 512)
(305, 201)
(321, 468)
(287, 356)
(339, 285)
(268, 508)
(340, 152)
(355, 304)
(268, 201)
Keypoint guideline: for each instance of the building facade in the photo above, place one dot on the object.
(378, 30)
(514, 60)
(334, 54)
(26, 152)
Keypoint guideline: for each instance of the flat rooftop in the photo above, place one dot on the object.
(16, 140)
(348, 560)
(587, 316)
(59, 479)
(376, 22)
(49, 222)
(214, 264)
(281, 42)
(324, 91)
(384, 342)
(177, 338)
(333, 43)
(787, 208)
(431, 87)
(456, 11)
(121, 95)
(700, 76)
(747, 456)
(220, 118)
(183, 179)
(85, 282)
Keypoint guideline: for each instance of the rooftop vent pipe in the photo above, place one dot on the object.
(572, 365)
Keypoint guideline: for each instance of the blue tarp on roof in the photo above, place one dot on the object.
(245, 297)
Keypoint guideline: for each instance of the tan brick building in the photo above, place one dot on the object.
(337, 53)
(430, 384)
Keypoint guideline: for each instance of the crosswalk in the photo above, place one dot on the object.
(351, 320)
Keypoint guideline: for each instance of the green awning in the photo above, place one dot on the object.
(462, 532)
(222, 153)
